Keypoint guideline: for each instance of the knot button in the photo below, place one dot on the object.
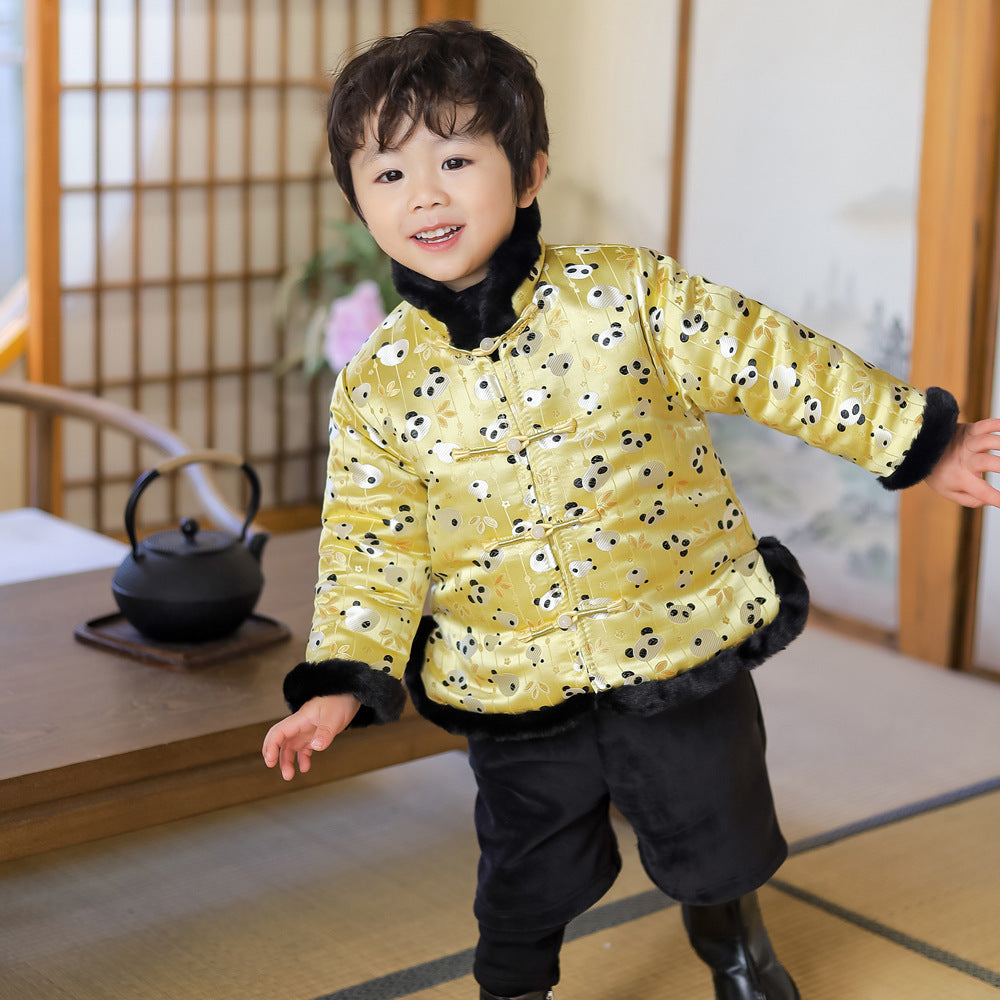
(565, 622)
(538, 531)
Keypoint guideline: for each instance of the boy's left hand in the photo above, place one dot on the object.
(958, 475)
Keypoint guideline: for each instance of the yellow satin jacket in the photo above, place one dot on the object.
(558, 490)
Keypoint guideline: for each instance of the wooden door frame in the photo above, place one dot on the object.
(44, 336)
(955, 314)
(446, 10)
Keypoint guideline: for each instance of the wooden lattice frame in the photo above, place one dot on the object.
(291, 452)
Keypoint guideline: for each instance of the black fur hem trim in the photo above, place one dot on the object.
(647, 698)
(382, 696)
(790, 586)
(543, 722)
(940, 419)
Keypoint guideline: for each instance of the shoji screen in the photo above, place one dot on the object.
(192, 173)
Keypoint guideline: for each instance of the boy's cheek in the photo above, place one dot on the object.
(355, 210)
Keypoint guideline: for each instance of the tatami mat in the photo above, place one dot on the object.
(855, 730)
(361, 890)
(933, 879)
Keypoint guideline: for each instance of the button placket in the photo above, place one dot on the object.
(569, 620)
(516, 442)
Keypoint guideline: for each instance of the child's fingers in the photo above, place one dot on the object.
(983, 456)
(272, 745)
(276, 737)
(287, 761)
(296, 737)
(980, 444)
(322, 738)
(282, 743)
(982, 494)
(991, 425)
(983, 437)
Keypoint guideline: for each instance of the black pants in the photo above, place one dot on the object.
(691, 781)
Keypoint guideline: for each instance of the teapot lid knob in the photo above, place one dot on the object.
(189, 528)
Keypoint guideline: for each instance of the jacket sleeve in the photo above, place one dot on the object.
(722, 352)
(373, 567)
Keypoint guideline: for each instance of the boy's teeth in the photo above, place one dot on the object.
(436, 234)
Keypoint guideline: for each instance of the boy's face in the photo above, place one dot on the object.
(440, 206)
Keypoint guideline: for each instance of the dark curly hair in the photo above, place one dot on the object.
(428, 75)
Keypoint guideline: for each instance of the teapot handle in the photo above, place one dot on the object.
(178, 462)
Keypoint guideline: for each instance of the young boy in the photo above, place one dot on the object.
(525, 434)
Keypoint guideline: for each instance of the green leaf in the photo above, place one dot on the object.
(314, 359)
(291, 360)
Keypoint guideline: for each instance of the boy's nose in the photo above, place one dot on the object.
(427, 193)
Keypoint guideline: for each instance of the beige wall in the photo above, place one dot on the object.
(608, 70)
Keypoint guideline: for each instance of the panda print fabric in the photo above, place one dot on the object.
(558, 492)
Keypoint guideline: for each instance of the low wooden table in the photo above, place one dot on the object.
(93, 743)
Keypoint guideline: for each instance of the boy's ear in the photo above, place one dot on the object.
(539, 168)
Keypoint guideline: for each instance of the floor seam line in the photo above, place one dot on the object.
(923, 948)
(405, 982)
(898, 815)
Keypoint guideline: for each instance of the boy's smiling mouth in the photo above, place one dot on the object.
(442, 234)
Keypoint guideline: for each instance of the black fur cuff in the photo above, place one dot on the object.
(382, 697)
(940, 419)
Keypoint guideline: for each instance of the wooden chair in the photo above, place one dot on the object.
(47, 402)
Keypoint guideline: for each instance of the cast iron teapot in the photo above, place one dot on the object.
(190, 585)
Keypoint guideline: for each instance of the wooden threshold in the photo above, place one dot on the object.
(96, 799)
(853, 628)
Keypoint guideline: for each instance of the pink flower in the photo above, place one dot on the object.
(353, 317)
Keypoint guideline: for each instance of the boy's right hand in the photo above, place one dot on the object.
(312, 727)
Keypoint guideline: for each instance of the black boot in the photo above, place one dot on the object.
(537, 995)
(731, 939)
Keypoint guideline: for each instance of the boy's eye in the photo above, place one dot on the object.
(455, 163)
(388, 176)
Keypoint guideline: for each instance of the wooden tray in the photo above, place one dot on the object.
(114, 633)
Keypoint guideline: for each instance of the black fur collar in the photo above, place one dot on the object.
(484, 310)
